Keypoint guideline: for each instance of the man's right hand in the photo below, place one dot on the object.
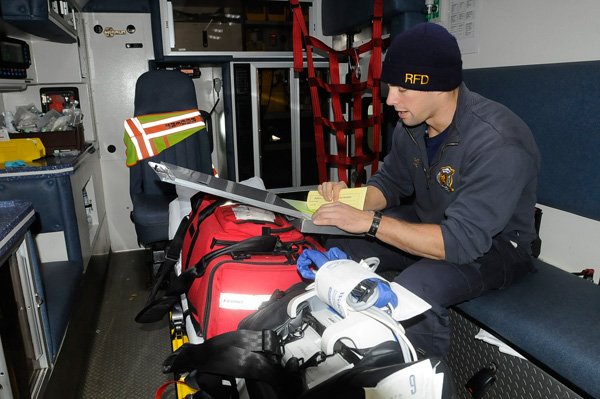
(330, 190)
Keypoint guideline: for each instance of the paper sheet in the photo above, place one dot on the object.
(417, 381)
(492, 340)
(352, 196)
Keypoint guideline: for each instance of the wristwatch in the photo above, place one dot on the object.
(375, 224)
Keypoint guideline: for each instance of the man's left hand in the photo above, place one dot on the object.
(344, 217)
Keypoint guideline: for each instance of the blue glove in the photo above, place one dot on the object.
(14, 164)
(310, 257)
(386, 295)
(372, 292)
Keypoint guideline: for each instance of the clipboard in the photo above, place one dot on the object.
(241, 193)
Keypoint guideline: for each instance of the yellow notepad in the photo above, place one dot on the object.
(352, 196)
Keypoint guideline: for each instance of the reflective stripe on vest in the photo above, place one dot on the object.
(148, 135)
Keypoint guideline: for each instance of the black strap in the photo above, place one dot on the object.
(156, 308)
(173, 250)
(198, 215)
(171, 257)
(241, 353)
(258, 244)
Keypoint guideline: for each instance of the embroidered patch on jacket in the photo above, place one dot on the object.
(417, 162)
(445, 178)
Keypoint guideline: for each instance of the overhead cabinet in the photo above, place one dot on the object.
(54, 20)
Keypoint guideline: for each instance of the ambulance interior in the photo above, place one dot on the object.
(84, 235)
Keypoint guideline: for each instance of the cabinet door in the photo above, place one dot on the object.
(23, 350)
(275, 136)
(234, 26)
(32, 303)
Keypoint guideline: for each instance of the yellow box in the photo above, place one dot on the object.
(22, 150)
(61, 140)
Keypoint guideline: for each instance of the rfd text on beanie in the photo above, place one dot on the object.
(426, 57)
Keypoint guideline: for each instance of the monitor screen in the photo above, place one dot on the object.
(11, 53)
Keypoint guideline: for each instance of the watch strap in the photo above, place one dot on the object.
(375, 224)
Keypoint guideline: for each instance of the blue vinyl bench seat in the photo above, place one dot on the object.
(552, 318)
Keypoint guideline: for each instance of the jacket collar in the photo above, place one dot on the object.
(464, 96)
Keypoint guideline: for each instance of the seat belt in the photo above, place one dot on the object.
(343, 160)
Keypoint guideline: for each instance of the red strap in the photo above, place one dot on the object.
(344, 160)
(375, 76)
(346, 88)
(350, 52)
(339, 126)
(161, 389)
(299, 31)
(352, 125)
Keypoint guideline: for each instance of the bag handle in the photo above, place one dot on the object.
(258, 244)
(199, 214)
(156, 308)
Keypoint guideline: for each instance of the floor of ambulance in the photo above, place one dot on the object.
(106, 354)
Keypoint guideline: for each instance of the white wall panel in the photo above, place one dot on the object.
(526, 32)
(55, 62)
(118, 205)
(569, 241)
(114, 69)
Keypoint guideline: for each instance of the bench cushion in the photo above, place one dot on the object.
(553, 318)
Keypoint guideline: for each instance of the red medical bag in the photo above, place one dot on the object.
(232, 281)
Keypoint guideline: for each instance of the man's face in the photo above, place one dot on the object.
(413, 107)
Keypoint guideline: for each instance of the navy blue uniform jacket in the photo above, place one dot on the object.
(482, 182)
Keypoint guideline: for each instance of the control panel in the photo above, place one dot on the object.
(15, 58)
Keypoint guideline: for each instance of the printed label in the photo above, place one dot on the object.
(241, 301)
(244, 212)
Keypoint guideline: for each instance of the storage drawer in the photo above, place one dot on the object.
(59, 140)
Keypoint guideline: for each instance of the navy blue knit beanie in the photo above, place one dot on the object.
(426, 57)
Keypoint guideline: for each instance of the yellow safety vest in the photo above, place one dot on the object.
(148, 135)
